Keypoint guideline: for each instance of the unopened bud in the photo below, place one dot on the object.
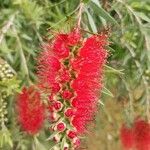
(61, 126)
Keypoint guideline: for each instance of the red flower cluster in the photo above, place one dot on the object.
(88, 66)
(70, 72)
(30, 110)
(137, 137)
(142, 135)
(127, 137)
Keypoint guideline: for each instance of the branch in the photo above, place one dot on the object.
(24, 62)
(6, 27)
(80, 14)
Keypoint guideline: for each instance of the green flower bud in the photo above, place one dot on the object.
(6, 71)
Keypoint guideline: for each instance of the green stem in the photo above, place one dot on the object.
(24, 62)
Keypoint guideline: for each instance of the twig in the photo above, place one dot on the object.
(147, 45)
(105, 4)
(24, 62)
(80, 14)
(131, 108)
(147, 98)
(64, 19)
(138, 65)
(6, 27)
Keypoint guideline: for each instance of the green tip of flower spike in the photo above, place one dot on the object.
(6, 72)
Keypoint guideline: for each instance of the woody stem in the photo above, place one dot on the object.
(80, 14)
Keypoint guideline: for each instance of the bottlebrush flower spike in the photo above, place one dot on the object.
(30, 110)
(74, 37)
(48, 68)
(142, 134)
(59, 47)
(77, 68)
(88, 65)
(127, 137)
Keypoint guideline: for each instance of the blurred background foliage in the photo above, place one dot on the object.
(26, 24)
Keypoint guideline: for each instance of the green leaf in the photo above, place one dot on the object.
(91, 22)
(107, 92)
(113, 70)
(96, 2)
(51, 136)
(86, 1)
(5, 137)
(39, 146)
(143, 16)
(63, 142)
(103, 13)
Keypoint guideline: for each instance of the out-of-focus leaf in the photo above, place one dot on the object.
(143, 16)
(86, 1)
(107, 92)
(5, 137)
(38, 145)
(100, 11)
(51, 136)
(91, 22)
(113, 70)
(96, 2)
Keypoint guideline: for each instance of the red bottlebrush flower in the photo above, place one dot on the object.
(47, 69)
(72, 78)
(74, 37)
(88, 82)
(53, 116)
(61, 126)
(65, 76)
(30, 110)
(51, 98)
(55, 87)
(60, 47)
(127, 137)
(51, 108)
(72, 134)
(69, 112)
(76, 142)
(57, 105)
(142, 135)
(67, 94)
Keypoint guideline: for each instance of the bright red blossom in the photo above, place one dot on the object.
(61, 126)
(136, 137)
(67, 94)
(30, 110)
(88, 65)
(74, 37)
(69, 112)
(55, 87)
(127, 137)
(76, 142)
(72, 77)
(57, 106)
(72, 134)
(60, 47)
(142, 134)
(65, 76)
(48, 69)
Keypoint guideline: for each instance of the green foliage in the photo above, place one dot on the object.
(5, 137)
